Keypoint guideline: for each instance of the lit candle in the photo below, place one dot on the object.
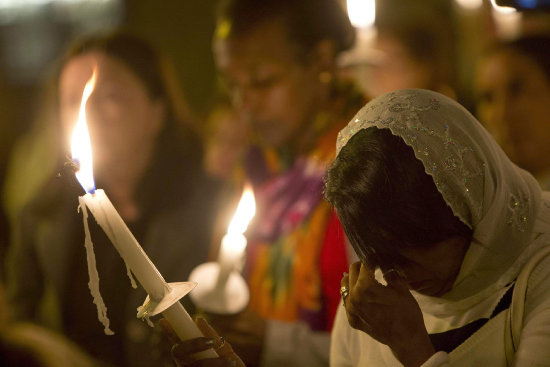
(160, 292)
(222, 290)
(234, 242)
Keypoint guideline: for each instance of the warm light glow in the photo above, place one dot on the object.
(17, 4)
(81, 148)
(502, 9)
(361, 13)
(469, 4)
(508, 24)
(244, 213)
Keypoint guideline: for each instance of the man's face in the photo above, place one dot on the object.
(272, 89)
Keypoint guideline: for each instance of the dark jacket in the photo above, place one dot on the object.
(48, 277)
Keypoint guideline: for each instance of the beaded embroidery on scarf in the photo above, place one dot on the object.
(456, 168)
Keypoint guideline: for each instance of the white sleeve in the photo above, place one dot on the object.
(439, 359)
(534, 345)
(294, 345)
(340, 340)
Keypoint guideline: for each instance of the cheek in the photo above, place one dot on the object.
(285, 105)
(297, 101)
(438, 266)
(69, 118)
(118, 131)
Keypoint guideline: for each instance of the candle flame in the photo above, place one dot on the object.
(361, 13)
(81, 147)
(244, 213)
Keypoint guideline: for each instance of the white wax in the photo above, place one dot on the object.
(93, 284)
(230, 256)
(127, 246)
(141, 266)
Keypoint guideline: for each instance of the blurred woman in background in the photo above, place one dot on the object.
(414, 48)
(150, 164)
(278, 61)
(512, 88)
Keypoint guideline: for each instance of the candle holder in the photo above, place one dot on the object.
(219, 297)
(222, 290)
(175, 292)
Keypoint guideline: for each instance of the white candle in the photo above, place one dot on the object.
(231, 255)
(141, 266)
(124, 241)
(127, 246)
(233, 243)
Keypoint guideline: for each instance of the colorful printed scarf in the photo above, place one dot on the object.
(288, 234)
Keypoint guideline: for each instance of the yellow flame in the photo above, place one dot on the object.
(469, 4)
(81, 147)
(361, 13)
(244, 213)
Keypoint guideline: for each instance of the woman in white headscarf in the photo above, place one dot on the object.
(452, 239)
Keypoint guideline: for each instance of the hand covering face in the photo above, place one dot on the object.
(486, 191)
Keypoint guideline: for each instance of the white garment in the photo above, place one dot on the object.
(294, 344)
(503, 205)
(350, 347)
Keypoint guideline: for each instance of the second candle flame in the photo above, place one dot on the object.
(244, 213)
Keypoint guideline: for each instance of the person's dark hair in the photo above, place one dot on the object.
(307, 21)
(146, 62)
(535, 47)
(385, 200)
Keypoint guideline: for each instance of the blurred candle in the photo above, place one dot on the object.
(116, 230)
(234, 242)
(361, 13)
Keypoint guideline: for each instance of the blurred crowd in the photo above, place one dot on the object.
(291, 74)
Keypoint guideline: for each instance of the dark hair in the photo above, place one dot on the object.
(307, 21)
(146, 62)
(535, 47)
(385, 200)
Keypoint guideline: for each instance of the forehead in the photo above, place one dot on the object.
(266, 42)
(79, 70)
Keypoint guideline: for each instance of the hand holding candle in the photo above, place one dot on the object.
(163, 297)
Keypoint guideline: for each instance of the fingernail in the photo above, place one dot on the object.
(209, 342)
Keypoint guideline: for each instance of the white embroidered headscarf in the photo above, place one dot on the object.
(486, 191)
